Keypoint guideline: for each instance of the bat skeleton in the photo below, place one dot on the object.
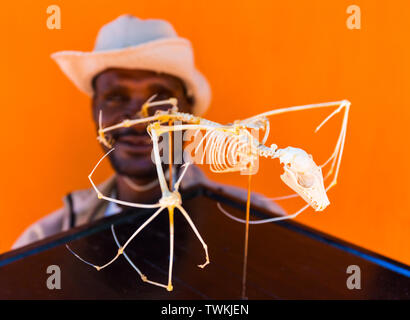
(229, 148)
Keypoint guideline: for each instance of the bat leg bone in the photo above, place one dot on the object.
(171, 199)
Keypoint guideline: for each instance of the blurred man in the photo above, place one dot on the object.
(132, 60)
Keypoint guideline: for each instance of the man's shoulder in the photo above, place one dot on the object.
(79, 203)
(46, 226)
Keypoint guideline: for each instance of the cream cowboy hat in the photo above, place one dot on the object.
(132, 43)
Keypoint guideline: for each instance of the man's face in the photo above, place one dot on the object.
(120, 94)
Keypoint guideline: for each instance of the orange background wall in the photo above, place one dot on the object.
(257, 55)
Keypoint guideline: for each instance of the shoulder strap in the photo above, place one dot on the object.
(71, 210)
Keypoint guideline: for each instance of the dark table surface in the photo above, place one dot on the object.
(286, 260)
